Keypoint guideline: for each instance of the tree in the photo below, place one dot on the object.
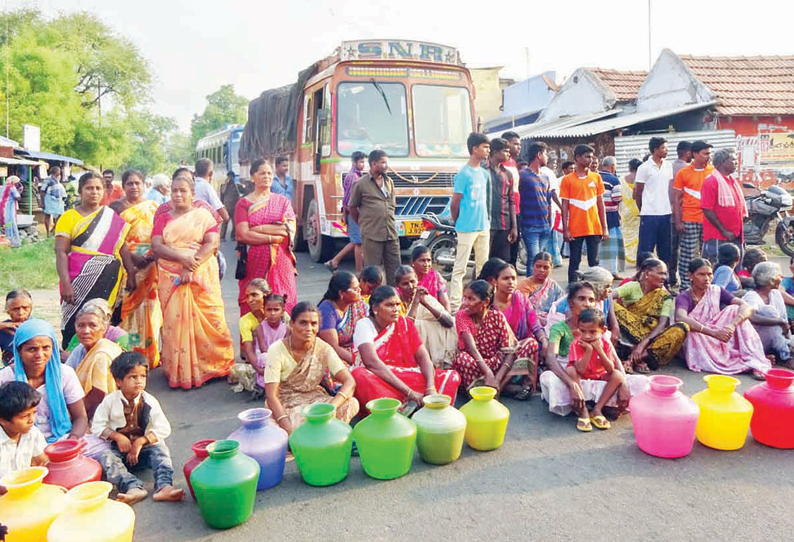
(150, 142)
(224, 107)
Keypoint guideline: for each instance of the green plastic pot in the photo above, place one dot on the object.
(225, 485)
(385, 440)
(441, 428)
(322, 446)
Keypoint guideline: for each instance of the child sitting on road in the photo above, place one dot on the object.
(271, 329)
(370, 278)
(752, 257)
(135, 424)
(592, 357)
(21, 442)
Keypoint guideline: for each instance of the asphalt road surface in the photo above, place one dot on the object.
(548, 481)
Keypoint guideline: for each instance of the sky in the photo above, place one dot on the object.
(195, 46)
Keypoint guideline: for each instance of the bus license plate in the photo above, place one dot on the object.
(413, 228)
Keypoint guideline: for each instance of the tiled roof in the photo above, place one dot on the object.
(757, 85)
(624, 84)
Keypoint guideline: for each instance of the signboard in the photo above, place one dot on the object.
(398, 50)
(776, 150)
(31, 137)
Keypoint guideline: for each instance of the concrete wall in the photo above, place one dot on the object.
(488, 102)
(582, 94)
(670, 83)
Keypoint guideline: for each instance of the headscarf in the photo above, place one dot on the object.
(60, 422)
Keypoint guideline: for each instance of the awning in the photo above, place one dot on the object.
(530, 130)
(18, 162)
(53, 157)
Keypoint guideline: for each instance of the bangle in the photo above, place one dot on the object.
(345, 396)
(278, 420)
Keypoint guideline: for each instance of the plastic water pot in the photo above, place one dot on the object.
(441, 429)
(29, 507)
(773, 417)
(322, 446)
(724, 414)
(92, 517)
(486, 419)
(385, 440)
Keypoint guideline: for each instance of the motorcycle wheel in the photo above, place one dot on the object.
(443, 245)
(784, 236)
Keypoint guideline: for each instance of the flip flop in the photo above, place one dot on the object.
(642, 368)
(600, 422)
(583, 425)
(331, 267)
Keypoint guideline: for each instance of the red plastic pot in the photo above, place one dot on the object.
(200, 453)
(773, 417)
(68, 467)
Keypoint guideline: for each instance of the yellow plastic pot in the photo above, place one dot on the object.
(486, 419)
(724, 414)
(29, 507)
(92, 517)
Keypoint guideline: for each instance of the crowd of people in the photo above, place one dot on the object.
(140, 271)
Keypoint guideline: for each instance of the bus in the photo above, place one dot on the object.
(412, 99)
(222, 147)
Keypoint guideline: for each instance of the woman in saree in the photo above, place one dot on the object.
(9, 194)
(769, 317)
(266, 223)
(391, 359)
(429, 279)
(295, 368)
(541, 290)
(721, 338)
(340, 311)
(91, 359)
(89, 249)
(630, 213)
(141, 315)
(524, 323)
(563, 394)
(196, 345)
(435, 325)
(644, 310)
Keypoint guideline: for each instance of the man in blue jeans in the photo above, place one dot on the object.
(535, 194)
(652, 194)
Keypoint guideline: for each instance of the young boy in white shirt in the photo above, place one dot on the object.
(135, 424)
(21, 442)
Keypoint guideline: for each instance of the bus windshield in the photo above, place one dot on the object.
(442, 119)
(372, 115)
(234, 161)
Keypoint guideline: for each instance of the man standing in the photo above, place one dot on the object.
(685, 155)
(113, 192)
(684, 152)
(583, 214)
(160, 190)
(722, 202)
(687, 215)
(358, 160)
(372, 205)
(613, 251)
(469, 210)
(555, 239)
(51, 182)
(502, 208)
(282, 183)
(230, 195)
(204, 190)
(511, 165)
(652, 194)
(535, 194)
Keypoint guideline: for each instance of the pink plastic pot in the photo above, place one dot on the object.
(664, 419)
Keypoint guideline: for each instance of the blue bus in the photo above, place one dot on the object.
(223, 148)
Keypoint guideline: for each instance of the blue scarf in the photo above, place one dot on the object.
(60, 422)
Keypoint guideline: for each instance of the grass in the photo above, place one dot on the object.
(31, 267)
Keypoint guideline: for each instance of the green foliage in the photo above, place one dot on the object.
(224, 107)
(31, 267)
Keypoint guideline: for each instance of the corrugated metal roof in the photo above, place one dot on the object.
(616, 123)
(53, 157)
(530, 130)
(628, 147)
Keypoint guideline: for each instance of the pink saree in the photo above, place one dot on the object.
(742, 353)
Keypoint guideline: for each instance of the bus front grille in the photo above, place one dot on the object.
(419, 205)
(417, 179)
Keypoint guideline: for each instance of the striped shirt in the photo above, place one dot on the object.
(612, 198)
(535, 200)
(501, 194)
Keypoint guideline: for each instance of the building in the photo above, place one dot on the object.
(489, 90)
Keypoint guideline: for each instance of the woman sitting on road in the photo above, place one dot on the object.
(19, 305)
(601, 280)
(89, 249)
(197, 345)
(725, 273)
(91, 359)
(340, 310)
(295, 368)
(429, 279)
(541, 290)
(645, 310)
(521, 317)
(394, 362)
(770, 319)
(435, 325)
(486, 344)
(559, 390)
(721, 339)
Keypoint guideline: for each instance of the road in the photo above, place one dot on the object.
(548, 481)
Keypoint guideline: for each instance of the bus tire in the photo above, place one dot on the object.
(321, 247)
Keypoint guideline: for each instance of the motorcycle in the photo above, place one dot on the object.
(440, 237)
(763, 209)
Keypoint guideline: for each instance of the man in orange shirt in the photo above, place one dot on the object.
(583, 215)
(113, 192)
(687, 215)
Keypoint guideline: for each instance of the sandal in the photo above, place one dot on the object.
(524, 395)
(331, 267)
(642, 368)
(600, 422)
(583, 425)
